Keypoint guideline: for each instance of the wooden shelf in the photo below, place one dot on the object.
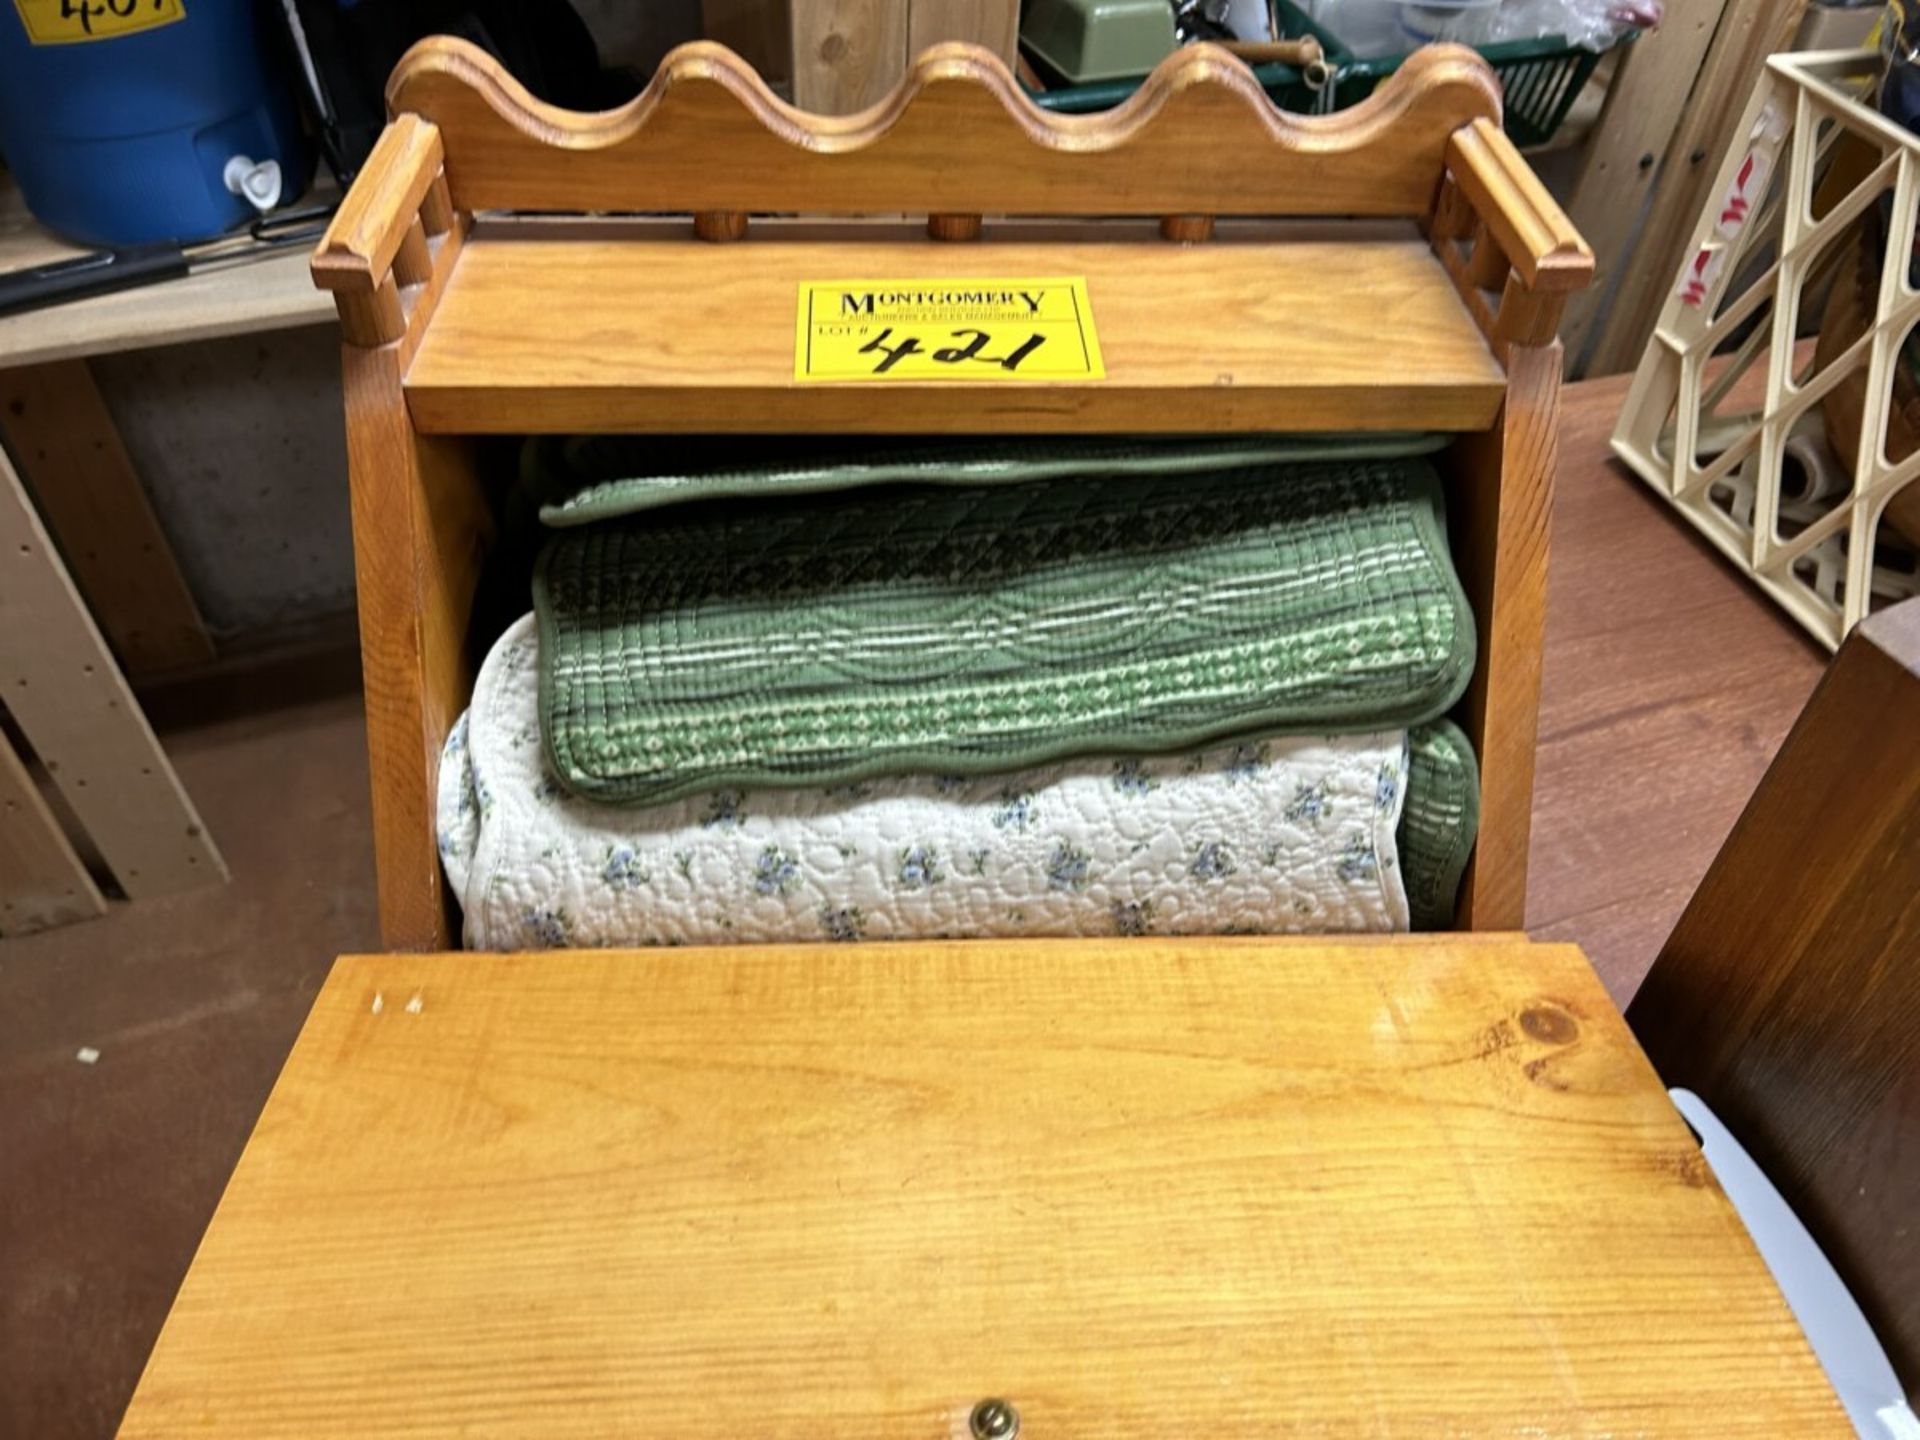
(636, 327)
(274, 293)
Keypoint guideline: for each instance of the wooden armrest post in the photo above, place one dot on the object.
(1534, 233)
(1511, 251)
(395, 232)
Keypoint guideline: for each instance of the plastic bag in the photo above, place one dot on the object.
(1590, 24)
(1372, 28)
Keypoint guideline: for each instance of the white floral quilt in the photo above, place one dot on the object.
(1285, 834)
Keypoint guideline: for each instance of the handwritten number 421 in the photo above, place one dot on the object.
(977, 340)
(85, 10)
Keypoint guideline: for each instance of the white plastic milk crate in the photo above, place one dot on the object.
(1777, 405)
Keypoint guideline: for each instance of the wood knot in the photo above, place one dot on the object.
(1549, 1024)
(833, 47)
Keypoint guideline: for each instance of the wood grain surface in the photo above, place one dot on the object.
(1499, 500)
(957, 135)
(642, 330)
(1221, 1188)
(847, 54)
(1668, 682)
(1788, 996)
(420, 530)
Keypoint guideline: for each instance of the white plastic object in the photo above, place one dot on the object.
(1465, 22)
(1591, 24)
(1750, 286)
(1842, 1341)
(257, 182)
(1369, 28)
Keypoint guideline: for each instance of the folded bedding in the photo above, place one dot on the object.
(1262, 834)
(987, 619)
(1439, 822)
(581, 479)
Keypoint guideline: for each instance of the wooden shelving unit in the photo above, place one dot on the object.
(1391, 267)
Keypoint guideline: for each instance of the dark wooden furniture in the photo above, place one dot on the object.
(1789, 995)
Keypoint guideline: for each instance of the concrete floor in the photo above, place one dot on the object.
(1660, 662)
(109, 1172)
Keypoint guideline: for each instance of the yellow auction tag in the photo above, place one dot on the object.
(972, 329)
(71, 22)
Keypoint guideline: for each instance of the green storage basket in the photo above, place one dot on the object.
(1541, 77)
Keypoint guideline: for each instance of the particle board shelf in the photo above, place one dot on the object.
(630, 327)
(271, 294)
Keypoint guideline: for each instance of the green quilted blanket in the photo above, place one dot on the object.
(975, 629)
(1439, 821)
(587, 478)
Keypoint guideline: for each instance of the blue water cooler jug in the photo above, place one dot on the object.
(132, 121)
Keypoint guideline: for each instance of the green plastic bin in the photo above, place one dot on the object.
(1541, 78)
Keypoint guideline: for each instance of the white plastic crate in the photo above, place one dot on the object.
(1743, 413)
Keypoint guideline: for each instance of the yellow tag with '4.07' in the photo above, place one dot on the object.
(966, 329)
(72, 22)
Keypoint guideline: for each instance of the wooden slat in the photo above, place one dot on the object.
(411, 262)
(1622, 159)
(42, 882)
(1750, 30)
(69, 698)
(1201, 137)
(1788, 996)
(1240, 333)
(1222, 1189)
(436, 208)
(1470, 293)
(443, 254)
(64, 441)
(847, 54)
(994, 24)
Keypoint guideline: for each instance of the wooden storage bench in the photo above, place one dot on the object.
(1392, 267)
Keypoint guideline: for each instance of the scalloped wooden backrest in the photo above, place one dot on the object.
(957, 137)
